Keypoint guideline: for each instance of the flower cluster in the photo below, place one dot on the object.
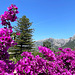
(47, 53)
(9, 15)
(66, 60)
(63, 65)
(18, 33)
(33, 65)
(7, 67)
(5, 39)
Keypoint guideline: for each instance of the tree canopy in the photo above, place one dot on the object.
(25, 37)
(47, 44)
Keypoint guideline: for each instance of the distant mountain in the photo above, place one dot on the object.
(71, 43)
(56, 43)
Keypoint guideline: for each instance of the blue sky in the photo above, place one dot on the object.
(51, 18)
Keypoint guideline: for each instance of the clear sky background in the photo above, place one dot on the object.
(51, 18)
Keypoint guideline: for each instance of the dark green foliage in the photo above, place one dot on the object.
(18, 57)
(37, 53)
(25, 38)
(47, 44)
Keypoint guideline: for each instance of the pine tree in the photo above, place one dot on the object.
(25, 38)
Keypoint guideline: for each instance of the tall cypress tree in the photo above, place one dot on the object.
(25, 38)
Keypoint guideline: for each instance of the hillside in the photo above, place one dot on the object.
(56, 43)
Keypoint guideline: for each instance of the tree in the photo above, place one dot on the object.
(25, 37)
(47, 44)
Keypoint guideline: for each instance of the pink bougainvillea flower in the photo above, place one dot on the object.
(18, 33)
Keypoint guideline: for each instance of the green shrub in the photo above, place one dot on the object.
(37, 53)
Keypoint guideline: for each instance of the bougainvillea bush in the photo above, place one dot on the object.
(60, 63)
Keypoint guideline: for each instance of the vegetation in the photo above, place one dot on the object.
(25, 38)
(47, 44)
